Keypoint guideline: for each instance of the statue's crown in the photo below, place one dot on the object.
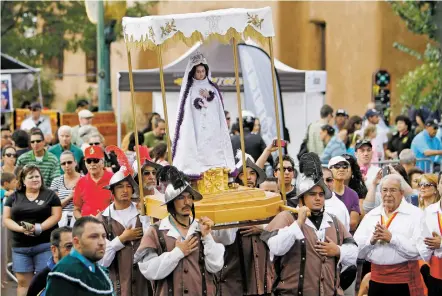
(198, 58)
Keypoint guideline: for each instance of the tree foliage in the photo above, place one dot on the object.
(423, 85)
(34, 32)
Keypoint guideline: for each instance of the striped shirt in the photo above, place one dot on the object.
(49, 165)
(59, 187)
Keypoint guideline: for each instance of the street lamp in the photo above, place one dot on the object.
(105, 14)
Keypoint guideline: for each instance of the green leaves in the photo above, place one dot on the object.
(423, 85)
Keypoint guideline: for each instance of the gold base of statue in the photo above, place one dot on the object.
(214, 180)
(228, 206)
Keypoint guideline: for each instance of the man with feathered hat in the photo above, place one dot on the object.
(124, 228)
(178, 253)
(308, 247)
(247, 269)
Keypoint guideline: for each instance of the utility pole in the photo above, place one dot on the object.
(101, 58)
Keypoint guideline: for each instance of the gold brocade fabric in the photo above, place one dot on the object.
(213, 181)
(146, 44)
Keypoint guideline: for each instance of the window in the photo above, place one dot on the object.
(320, 40)
(91, 67)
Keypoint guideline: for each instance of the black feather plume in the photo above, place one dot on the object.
(172, 175)
(310, 166)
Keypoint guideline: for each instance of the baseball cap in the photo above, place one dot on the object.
(361, 143)
(85, 114)
(94, 152)
(35, 105)
(432, 122)
(371, 112)
(341, 112)
(335, 160)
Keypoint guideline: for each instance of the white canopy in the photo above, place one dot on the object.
(153, 31)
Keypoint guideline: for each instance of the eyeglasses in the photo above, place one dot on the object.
(69, 162)
(92, 160)
(148, 173)
(36, 141)
(329, 180)
(340, 166)
(288, 169)
(6, 137)
(426, 185)
(11, 155)
(95, 144)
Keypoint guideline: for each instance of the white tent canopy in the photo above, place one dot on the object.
(302, 91)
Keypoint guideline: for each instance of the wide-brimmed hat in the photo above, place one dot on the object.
(250, 163)
(306, 184)
(177, 185)
(145, 161)
(171, 193)
(123, 174)
(311, 176)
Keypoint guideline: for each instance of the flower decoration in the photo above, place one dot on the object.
(198, 103)
(211, 96)
(254, 20)
(168, 28)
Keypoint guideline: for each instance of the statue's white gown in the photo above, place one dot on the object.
(202, 140)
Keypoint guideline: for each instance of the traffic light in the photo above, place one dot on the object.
(381, 92)
(381, 88)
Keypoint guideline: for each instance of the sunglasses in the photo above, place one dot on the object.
(426, 185)
(67, 162)
(329, 180)
(92, 160)
(11, 155)
(35, 109)
(148, 173)
(227, 118)
(288, 169)
(340, 166)
(95, 144)
(36, 141)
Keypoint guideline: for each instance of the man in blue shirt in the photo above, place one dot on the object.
(427, 145)
(333, 145)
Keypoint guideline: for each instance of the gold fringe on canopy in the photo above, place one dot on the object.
(146, 44)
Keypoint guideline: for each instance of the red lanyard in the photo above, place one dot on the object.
(389, 220)
(439, 221)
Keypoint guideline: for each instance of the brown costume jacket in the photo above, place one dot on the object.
(302, 271)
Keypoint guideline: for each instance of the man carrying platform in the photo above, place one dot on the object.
(247, 268)
(178, 253)
(124, 227)
(308, 247)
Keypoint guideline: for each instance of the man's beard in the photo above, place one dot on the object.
(149, 187)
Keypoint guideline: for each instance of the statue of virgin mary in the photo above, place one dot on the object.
(202, 138)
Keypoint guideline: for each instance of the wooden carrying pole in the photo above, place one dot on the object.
(238, 98)
(278, 126)
(163, 95)
(137, 145)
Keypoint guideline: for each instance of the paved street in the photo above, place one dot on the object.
(10, 289)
